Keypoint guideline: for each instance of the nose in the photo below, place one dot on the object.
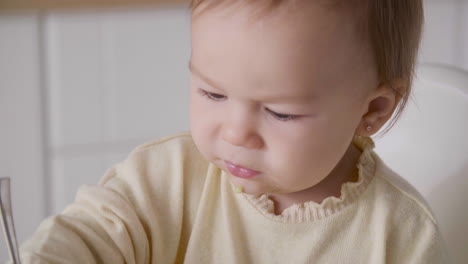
(241, 131)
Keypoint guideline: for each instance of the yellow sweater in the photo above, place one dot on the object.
(167, 204)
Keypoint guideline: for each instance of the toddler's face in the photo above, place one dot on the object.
(282, 95)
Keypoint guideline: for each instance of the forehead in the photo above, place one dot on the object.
(297, 52)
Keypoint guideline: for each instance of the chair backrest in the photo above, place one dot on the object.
(428, 146)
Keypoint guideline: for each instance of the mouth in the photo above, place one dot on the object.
(239, 171)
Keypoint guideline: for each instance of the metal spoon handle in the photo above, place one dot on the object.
(7, 219)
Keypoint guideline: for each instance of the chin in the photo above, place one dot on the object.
(254, 193)
(249, 191)
(249, 187)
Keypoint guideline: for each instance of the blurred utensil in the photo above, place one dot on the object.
(7, 219)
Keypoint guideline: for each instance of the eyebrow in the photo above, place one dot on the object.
(210, 82)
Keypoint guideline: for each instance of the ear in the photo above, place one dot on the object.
(379, 108)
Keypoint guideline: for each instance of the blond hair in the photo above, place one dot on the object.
(392, 28)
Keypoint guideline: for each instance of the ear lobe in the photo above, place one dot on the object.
(380, 107)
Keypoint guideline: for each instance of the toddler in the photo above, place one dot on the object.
(279, 165)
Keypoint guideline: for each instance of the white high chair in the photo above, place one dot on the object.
(428, 146)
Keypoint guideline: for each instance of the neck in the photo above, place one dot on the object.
(345, 171)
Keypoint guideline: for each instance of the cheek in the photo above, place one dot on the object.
(197, 110)
(202, 119)
(202, 140)
(196, 122)
(302, 158)
(299, 156)
(201, 128)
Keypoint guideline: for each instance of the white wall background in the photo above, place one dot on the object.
(79, 90)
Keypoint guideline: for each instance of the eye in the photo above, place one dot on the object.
(212, 96)
(282, 117)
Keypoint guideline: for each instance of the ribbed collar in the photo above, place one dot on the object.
(311, 211)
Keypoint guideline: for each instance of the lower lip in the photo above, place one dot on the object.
(240, 171)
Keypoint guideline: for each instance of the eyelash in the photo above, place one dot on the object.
(278, 116)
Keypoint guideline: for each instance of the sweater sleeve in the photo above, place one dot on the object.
(101, 226)
(416, 239)
(140, 212)
(428, 246)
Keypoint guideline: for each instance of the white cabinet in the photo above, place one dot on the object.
(22, 141)
(116, 79)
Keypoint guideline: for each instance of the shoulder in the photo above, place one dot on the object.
(412, 232)
(168, 159)
(400, 192)
(174, 142)
(174, 148)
